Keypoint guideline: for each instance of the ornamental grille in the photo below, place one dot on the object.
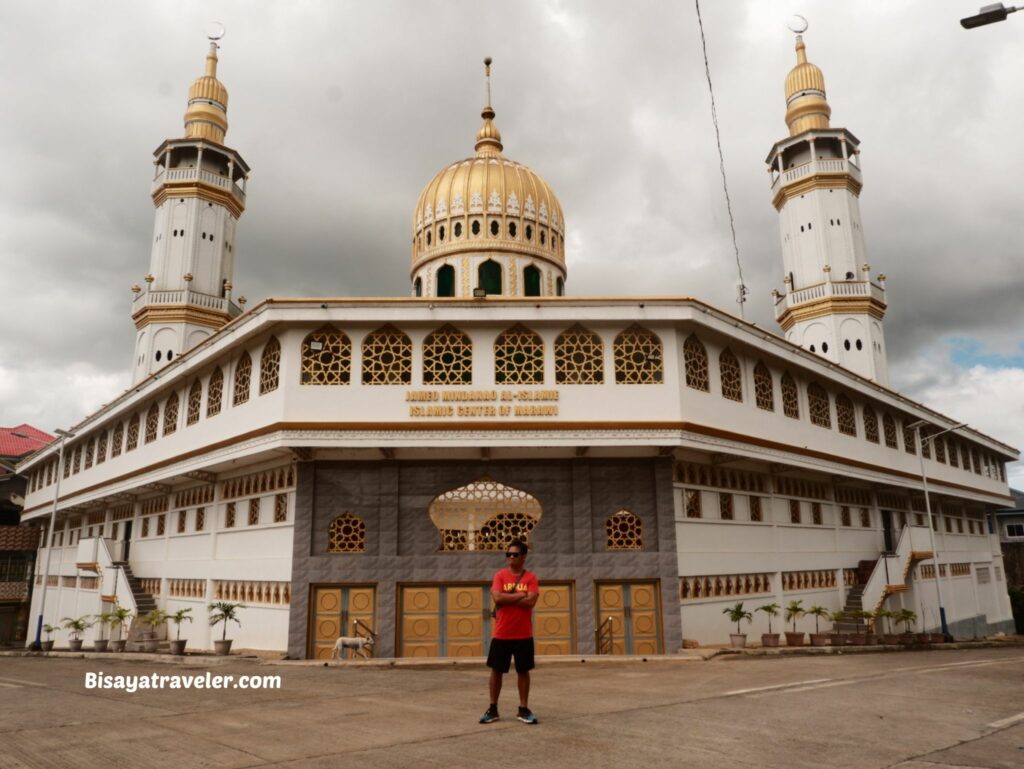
(346, 534)
(720, 477)
(186, 588)
(272, 593)
(625, 531)
(794, 511)
(243, 380)
(953, 454)
(818, 405)
(254, 512)
(865, 518)
(974, 461)
(965, 459)
(154, 505)
(152, 422)
(691, 501)
(387, 357)
(122, 512)
(870, 424)
(326, 357)
(133, 434)
(844, 516)
(715, 586)
(579, 357)
(200, 518)
(732, 377)
(940, 450)
(889, 427)
(853, 496)
(518, 357)
(790, 398)
(818, 579)
(171, 414)
(638, 357)
(764, 392)
(161, 523)
(695, 360)
(89, 450)
(280, 508)
(77, 458)
(215, 394)
(182, 518)
(259, 483)
(926, 451)
(270, 366)
(229, 515)
(725, 506)
(755, 509)
(447, 357)
(909, 444)
(816, 518)
(101, 448)
(67, 465)
(483, 515)
(797, 487)
(198, 495)
(845, 417)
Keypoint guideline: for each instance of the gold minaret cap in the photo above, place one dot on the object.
(207, 113)
(806, 105)
(488, 138)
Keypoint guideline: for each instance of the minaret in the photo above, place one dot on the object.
(199, 193)
(830, 304)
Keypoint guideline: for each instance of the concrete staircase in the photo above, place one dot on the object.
(854, 602)
(144, 603)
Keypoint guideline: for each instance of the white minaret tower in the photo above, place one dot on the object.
(830, 304)
(199, 194)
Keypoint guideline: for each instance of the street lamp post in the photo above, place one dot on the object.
(916, 427)
(988, 14)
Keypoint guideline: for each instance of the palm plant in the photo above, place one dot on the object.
(837, 617)
(103, 620)
(772, 610)
(818, 612)
(735, 613)
(906, 617)
(120, 617)
(77, 626)
(181, 615)
(224, 611)
(794, 611)
(154, 618)
(881, 613)
(49, 630)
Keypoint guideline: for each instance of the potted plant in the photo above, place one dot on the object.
(224, 611)
(99, 644)
(735, 613)
(837, 637)
(153, 619)
(181, 615)
(77, 626)
(770, 638)
(818, 638)
(906, 617)
(794, 611)
(885, 615)
(859, 637)
(47, 645)
(119, 617)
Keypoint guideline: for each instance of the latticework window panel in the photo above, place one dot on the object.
(200, 518)
(195, 400)
(638, 357)
(790, 398)
(117, 440)
(326, 357)
(844, 516)
(101, 448)
(691, 502)
(870, 424)
(846, 419)
(818, 405)
(624, 531)
(229, 515)
(695, 361)
(243, 380)
(940, 450)
(794, 511)
(926, 450)
(387, 357)
(152, 423)
(346, 534)
(270, 366)
(725, 508)
(579, 357)
(483, 515)
(90, 449)
(215, 393)
(171, 414)
(731, 375)
(764, 392)
(519, 357)
(865, 518)
(280, 508)
(447, 357)
(909, 444)
(953, 453)
(755, 509)
(254, 512)
(889, 427)
(816, 517)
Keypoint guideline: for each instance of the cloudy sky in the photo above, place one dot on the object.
(345, 110)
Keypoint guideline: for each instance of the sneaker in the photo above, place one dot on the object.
(527, 717)
(490, 716)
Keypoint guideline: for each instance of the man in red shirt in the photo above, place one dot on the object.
(515, 591)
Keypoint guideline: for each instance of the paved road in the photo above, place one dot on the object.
(913, 710)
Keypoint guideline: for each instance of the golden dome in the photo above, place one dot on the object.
(207, 113)
(806, 106)
(488, 203)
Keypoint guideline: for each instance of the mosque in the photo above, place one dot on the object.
(352, 465)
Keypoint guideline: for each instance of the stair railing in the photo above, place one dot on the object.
(361, 630)
(604, 637)
(893, 571)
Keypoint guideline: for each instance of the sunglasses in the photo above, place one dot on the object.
(513, 555)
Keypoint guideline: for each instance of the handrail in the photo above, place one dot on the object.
(367, 632)
(604, 639)
(877, 588)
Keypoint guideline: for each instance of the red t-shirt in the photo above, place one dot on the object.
(514, 621)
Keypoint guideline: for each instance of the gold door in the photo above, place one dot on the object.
(421, 622)
(611, 605)
(464, 621)
(334, 609)
(553, 625)
(634, 610)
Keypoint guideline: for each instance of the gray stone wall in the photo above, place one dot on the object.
(576, 496)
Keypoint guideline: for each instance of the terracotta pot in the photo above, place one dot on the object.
(819, 639)
(151, 644)
(938, 638)
(75, 645)
(795, 639)
(46, 646)
(100, 644)
(178, 647)
(769, 639)
(837, 639)
(923, 638)
(871, 639)
(890, 639)
(118, 646)
(858, 639)
(739, 640)
(224, 647)
(906, 638)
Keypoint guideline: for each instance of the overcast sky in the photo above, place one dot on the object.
(345, 110)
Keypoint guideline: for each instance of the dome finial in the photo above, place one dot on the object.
(806, 105)
(207, 113)
(488, 138)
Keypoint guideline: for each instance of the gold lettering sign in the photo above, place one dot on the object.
(476, 404)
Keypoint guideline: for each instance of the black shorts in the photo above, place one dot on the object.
(502, 650)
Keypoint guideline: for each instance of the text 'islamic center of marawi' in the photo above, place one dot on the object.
(346, 466)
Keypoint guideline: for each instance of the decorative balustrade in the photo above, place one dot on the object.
(817, 579)
(184, 296)
(723, 586)
(253, 592)
(819, 166)
(186, 588)
(826, 290)
(198, 175)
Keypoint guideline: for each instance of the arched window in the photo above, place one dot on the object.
(270, 366)
(243, 380)
(489, 277)
(152, 422)
(889, 427)
(346, 534)
(90, 449)
(870, 424)
(819, 406)
(447, 357)
(215, 393)
(518, 357)
(171, 414)
(909, 443)
(117, 440)
(624, 531)
(101, 448)
(732, 376)
(790, 399)
(195, 400)
(531, 281)
(483, 515)
(638, 357)
(76, 459)
(417, 287)
(940, 450)
(326, 357)
(764, 390)
(845, 416)
(132, 439)
(695, 361)
(387, 357)
(579, 357)
(446, 280)
(952, 451)
(559, 286)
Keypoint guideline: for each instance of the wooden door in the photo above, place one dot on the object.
(445, 620)
(554, 626)
(335, 608)
(421, 621)
(633, 609)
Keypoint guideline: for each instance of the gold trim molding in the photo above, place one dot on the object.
(203, 192)
(836, 305)
(180, 313)
(818, 181)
